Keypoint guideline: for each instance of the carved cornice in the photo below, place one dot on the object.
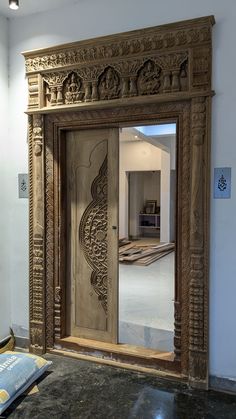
(130, 44)
(166, 59)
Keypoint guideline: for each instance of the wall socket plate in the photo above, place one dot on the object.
(222, 183)
(23, 185)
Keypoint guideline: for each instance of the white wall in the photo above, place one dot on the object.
(134, 156)
(5, 213)
(143, 186)
(165, 197)
(93, 18)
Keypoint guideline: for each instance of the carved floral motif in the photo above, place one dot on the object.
(93, 235)
(120, 48)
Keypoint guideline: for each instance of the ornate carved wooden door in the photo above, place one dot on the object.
(92, 233)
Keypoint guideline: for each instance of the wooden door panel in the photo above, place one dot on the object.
(92, 203)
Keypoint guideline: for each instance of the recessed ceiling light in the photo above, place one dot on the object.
(14, 4)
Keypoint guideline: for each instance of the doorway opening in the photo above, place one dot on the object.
(147, 236)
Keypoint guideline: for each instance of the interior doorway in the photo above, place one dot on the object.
(121, 273)
(147, 236)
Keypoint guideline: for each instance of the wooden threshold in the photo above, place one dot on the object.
(134, 356)
(170, 375)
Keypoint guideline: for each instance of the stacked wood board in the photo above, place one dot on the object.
(143, 255)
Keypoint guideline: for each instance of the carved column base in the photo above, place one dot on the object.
(37, 338)
(198, 370)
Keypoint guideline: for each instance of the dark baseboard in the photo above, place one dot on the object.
(226, 385)
(22, 343)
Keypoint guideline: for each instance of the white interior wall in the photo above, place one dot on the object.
(143, 186)
(165, 197)
(136, 187)
(5, 214)
(91, 18)
(134, 156)
(152, 186)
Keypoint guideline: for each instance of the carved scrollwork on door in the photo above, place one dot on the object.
(93, 235)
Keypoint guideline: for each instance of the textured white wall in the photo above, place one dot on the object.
(92, 18)
(5, 212)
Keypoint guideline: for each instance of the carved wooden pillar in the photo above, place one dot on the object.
(166, 84)
(94, 90)
(198, 292)
(53, 90)
(37, 271)
(133, 86)
(59, 95)
(87, 91)
(175, 80)
(125, 87)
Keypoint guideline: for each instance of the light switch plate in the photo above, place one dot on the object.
(222, 183)
(23, 185)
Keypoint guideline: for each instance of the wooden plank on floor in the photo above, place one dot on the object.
(125, 248)
(150, 259)
(148, 252)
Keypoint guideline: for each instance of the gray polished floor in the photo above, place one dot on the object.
(76, 389)
(146, 308)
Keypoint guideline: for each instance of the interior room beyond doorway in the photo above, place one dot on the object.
(147, 236)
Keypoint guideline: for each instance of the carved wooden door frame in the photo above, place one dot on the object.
(154, 74)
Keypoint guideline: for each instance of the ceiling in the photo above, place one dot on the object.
(28, 7)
